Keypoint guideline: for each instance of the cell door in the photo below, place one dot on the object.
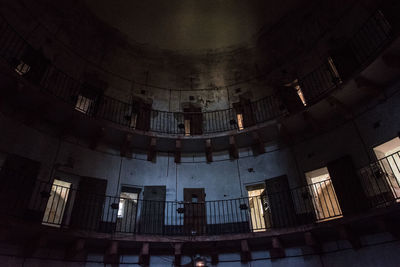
(245, 111)
(127, 209)
(152, 210)
(89, 201)
(280, 202)
(193, 120)
(347, 186)
(195, 211)
(17, 181)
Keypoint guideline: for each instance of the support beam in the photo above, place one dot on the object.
(277, 250)
(151, 153)
(111, 255)
(36, 113)
(346, 233)
(245, 254)
(371, 86)
(96, 138)
(391, 60)
(214, 254)
(178, 254)
(65, 127)
(76, 251)
(144, 257)
(311, 122)
(11, 88)
(284, 134)
(388, 225)
(3, 234)
(178, 149)
(125, 147)
(233, 150)
(341, 108)
(33, 244)
(209, 151)
(312, 242)
(258, 144)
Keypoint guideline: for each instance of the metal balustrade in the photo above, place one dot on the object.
(32, 64)
(67, 207)
(381, 180)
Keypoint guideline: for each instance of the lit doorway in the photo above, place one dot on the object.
(127, 209)
(56, 204)
(259, 208)
(388, 155)
(323, 194)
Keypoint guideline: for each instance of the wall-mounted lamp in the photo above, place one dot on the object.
(200, 261)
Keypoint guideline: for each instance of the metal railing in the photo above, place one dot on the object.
(381, 180)
(67, 207)
(32, 64)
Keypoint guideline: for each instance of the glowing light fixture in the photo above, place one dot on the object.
(200, 261)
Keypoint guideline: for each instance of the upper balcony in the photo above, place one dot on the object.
(246, 120)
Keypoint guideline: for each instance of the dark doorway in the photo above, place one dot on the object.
(195, 221)
(244, 113)
(280, 202)
(17, 181)
(193, 121)
(153, 210)
(141, 115)
(127, 209)
(88, 207)
(347, 185)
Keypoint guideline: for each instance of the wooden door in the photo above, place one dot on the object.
(196, 120)
(345, 61)
(280, 201)
(152, 210)
(17, 181)
(244, 107)
(195, 211)
(144, 116)
(347, 185)
(88, 206)
(290, 98)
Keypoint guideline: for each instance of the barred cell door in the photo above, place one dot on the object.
(195, 211)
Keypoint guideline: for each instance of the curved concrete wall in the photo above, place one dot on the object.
(78, 43)
(223, 178)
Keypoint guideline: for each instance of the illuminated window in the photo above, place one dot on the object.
(325, 201)
(259, 212)
(133, 120)
(187, 127)
(22, 68)
(56, 203)
(295, 84)
(127, 202)
(334, 70)
(388, 155)
(240, 121)
(84, 104)
(300, 93)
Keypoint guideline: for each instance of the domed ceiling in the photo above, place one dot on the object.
(191, 24)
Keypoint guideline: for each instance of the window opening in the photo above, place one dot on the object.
(325, 201)
(56, 203)
(239, 117)
(259, 209)
(388, 155)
